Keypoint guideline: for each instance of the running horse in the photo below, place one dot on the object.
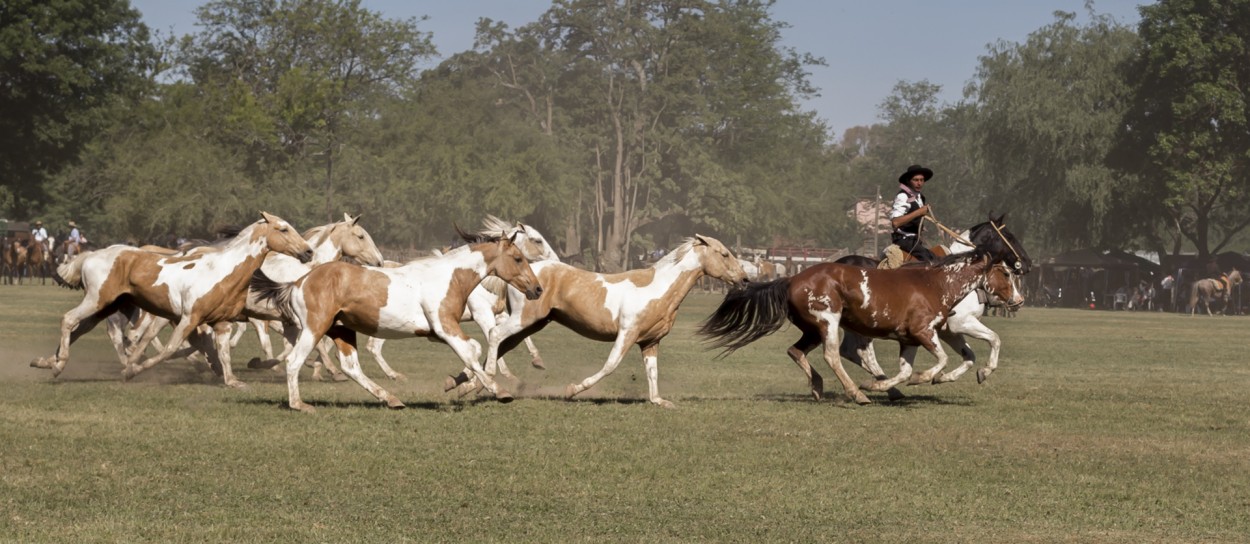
(907, 305)
(1208, 289)
(1002, 244)
(637, 307)
(193, 289)
(425, 297)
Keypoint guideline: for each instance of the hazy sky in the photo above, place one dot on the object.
(869, 45)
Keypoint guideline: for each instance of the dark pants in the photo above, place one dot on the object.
(912, 246)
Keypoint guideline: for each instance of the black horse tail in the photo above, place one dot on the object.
(268, 291)
(748, 314)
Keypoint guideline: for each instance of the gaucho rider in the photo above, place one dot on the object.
(909, 208)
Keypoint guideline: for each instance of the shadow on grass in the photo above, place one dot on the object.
(838, 399)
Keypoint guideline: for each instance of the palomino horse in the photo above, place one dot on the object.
(1208, 289)
(489, 299)
(425, 297)
(635, 307)
(1001, 244)
(193, 289)
(906, 304)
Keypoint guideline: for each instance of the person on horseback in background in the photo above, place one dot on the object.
(908, 211)
(40, 234)
(74, 239)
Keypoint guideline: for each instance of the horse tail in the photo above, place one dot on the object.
(69, 273)
(277, 294)
(1193, 297)
(748, 314)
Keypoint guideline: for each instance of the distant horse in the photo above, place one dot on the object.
(37, 262)
(203, 288)
(994, 237)
(1209, 289)
(425, 297)
(637, 307)
(14, 260)
(907, 305)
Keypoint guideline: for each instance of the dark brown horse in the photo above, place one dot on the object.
(908, 305)
(37, 262)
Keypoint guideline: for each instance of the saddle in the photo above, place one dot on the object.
(894, 256)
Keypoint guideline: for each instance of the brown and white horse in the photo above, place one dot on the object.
(1209, 289)
(637, 307)
(193, 289)
(425, 297)
(908, 305)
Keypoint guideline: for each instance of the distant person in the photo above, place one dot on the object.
(40, 234)
(75, 239)
(908, 212)
(1166, 284)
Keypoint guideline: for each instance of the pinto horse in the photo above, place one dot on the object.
(635, 307)
(192, 289)
(489, 299)
(425, 297)
(907, 305)
(1001, 244)
(1209, 289)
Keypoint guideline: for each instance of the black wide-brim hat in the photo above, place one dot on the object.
(913, 170)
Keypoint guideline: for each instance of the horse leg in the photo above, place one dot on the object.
(858, 349)
(976, 329)
(266, 344)
(831, 335)
(930, 344)
(536, 360)
(651, 361)
(300, 349)
(326, 360)
(75, 323)
(470, 351)
(181, 332)
(485, 320)
(798, 353)
(374, 346)
(623, 341)
(345, 340)
(221, 335)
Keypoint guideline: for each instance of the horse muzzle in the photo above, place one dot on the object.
(533, 294)
(305, 256)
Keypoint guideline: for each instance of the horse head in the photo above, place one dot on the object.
(531, 242)
(505, 260)
(1001, 243)
(1001, 283)
(717, 261)
(352, 240)
(1234, 278)
(281, 237)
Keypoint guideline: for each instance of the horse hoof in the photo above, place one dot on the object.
(259, 363)
(917, 379)
(861, 399)
(983, 374)
(503, 397)
(236, 384)
(449, 383)
(395, 404)
(538, 363)
(42, 362)
(895, 394)
(301, 407)
(664, 404)
(340, 377)
(571, 391)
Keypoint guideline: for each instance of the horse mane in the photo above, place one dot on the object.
(676, 254)
(477, 237)
(320, 232)
(494, 224)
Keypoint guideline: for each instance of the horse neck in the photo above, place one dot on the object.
(242, 247)
(322, 242)
(962, 277)
(678, 276)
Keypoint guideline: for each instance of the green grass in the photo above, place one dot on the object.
(1098, 427)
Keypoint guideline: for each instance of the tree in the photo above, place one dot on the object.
(1187, 131)
(1048, 111)
(291, 79)
(65, 66)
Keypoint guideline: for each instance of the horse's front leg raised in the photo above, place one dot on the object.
(930, 343)
(469, 351)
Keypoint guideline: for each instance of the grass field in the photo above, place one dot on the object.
(1098, 427)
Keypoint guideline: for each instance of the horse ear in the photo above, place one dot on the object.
(1002, 219)
(511, 239)
(702, 239)
(268, 217)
